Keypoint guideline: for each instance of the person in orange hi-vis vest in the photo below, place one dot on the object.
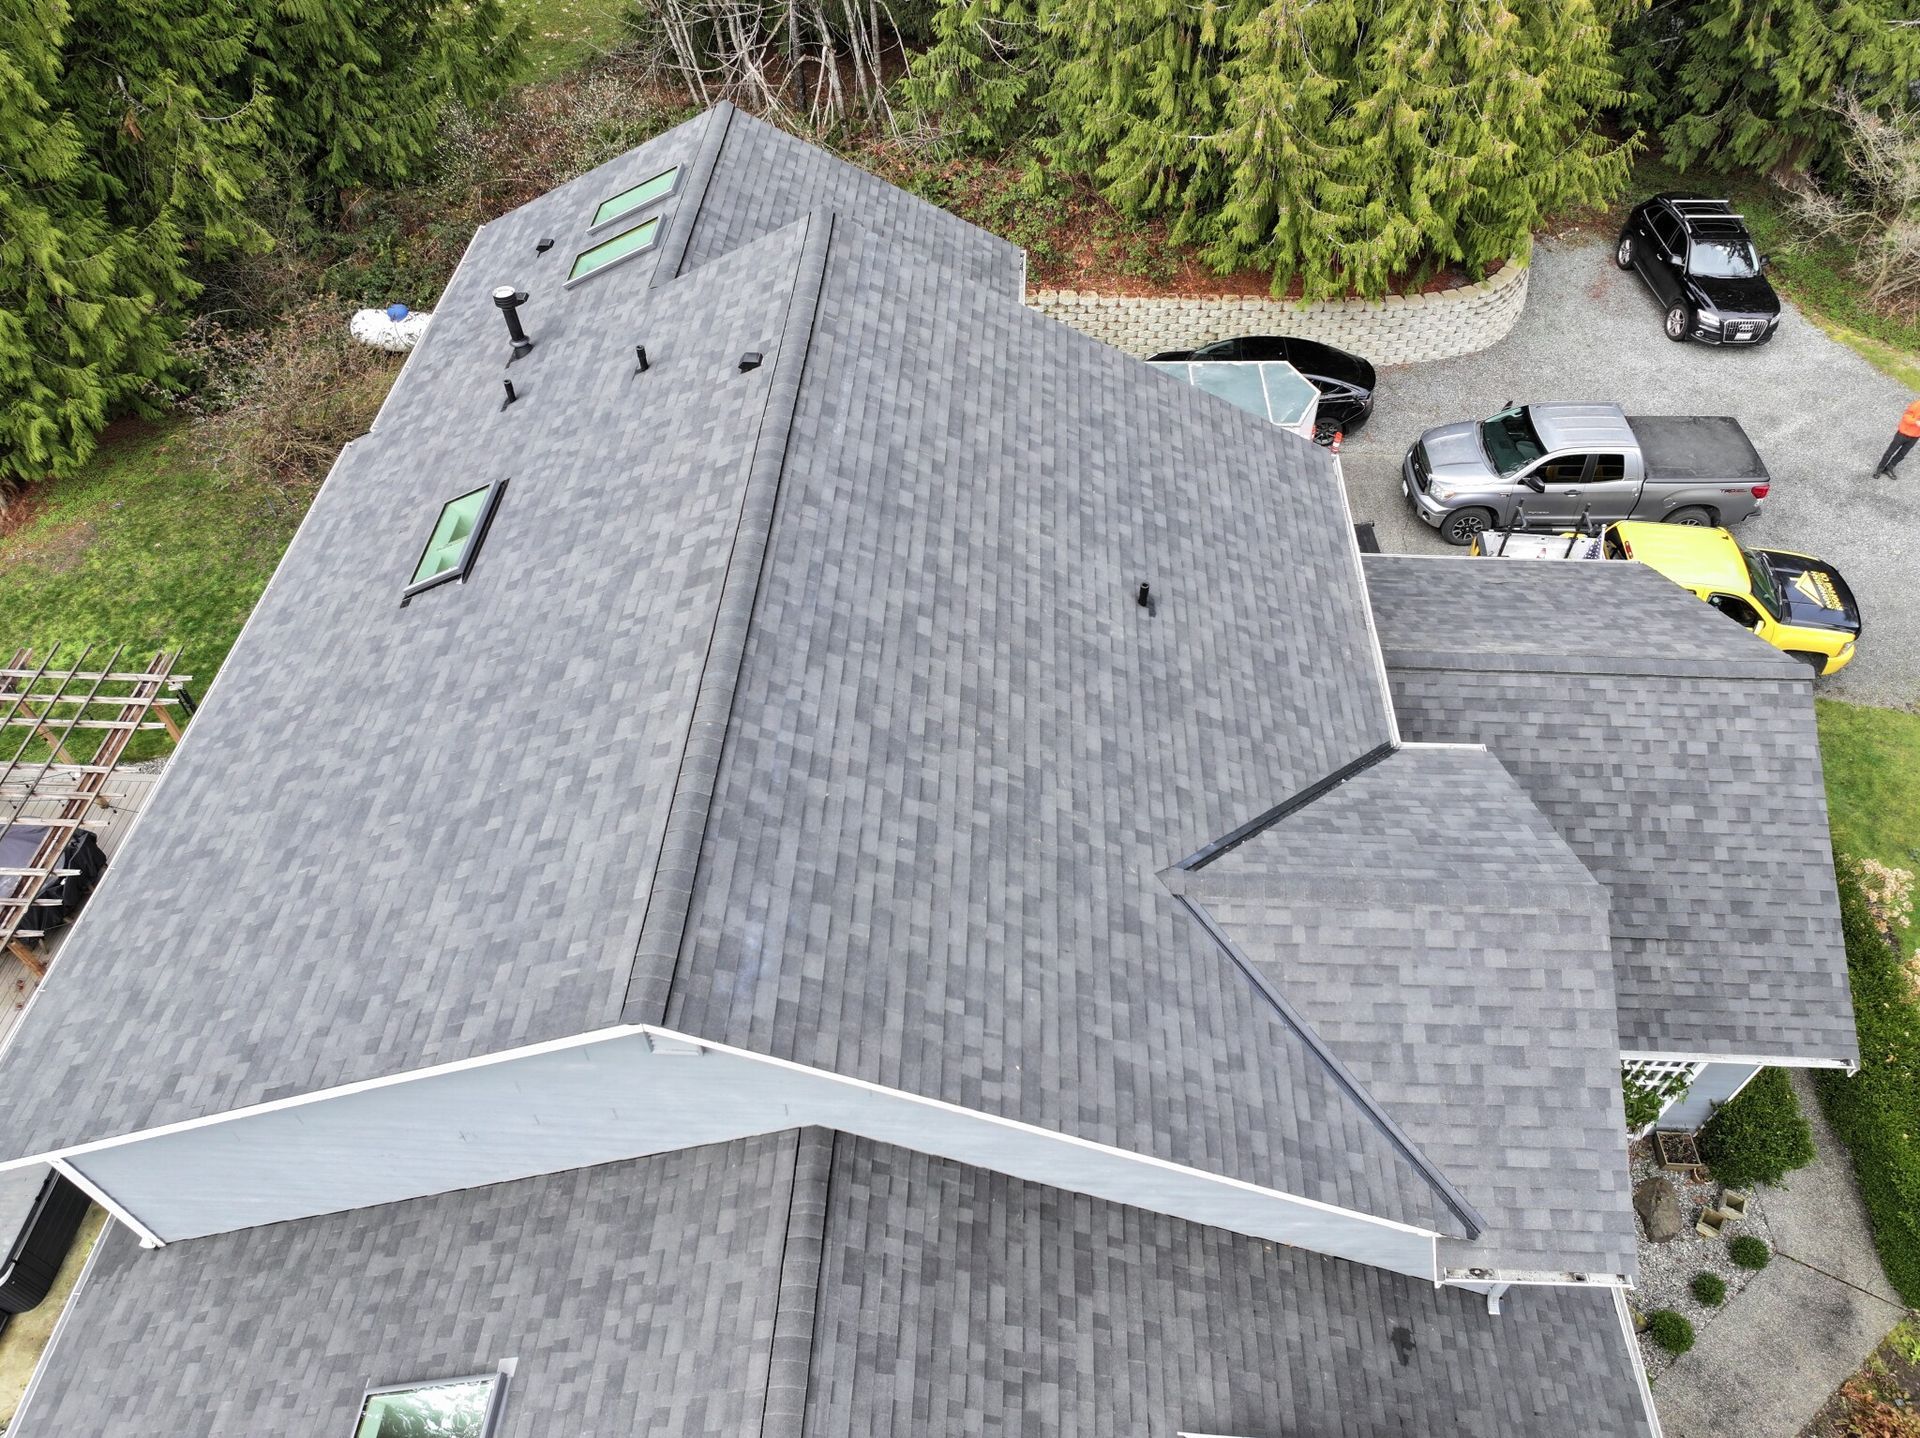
(1904, 439)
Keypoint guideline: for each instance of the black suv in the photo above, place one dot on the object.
(1697, 258)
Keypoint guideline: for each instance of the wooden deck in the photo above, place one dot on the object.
(109, 823)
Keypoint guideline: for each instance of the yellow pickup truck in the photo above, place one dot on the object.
(1795, 602)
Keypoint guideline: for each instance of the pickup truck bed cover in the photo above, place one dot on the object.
(1707, 447)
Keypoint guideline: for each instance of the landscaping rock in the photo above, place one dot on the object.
(1659, 1209)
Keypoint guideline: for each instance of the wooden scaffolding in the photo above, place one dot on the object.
(74, 721)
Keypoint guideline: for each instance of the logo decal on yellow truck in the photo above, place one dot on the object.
(1818, 587)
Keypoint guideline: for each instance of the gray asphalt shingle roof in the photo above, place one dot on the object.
(843, 652)
(958, 750)
(1427, 924)
(404, 836)
(1676, 754)
(811, 1285)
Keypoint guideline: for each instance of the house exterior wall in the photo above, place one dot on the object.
(1716, 1084)
(596, 1102)
(1402, 329)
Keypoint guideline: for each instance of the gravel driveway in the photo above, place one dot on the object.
(1818, 413)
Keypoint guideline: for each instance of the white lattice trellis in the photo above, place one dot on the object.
(1670, 1078)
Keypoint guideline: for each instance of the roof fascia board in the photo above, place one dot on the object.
(207, 698)
(1456, 1202)
(1374, 646)
(656, 958)
(1632, 1340)
(1779, 1061)
(148, 1238)
(651, 1032)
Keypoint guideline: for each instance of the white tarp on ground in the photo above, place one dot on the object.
(377, 328)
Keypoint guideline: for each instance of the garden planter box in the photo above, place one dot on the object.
(1677, 1151)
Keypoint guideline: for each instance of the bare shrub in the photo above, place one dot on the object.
(1875, 207)
(275, 405)
(818, 65)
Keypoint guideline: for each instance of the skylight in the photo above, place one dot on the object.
(456, 1408)
(456, 538)
(628, 242)
(640, 196)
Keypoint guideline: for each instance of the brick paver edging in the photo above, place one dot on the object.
(1401, 329)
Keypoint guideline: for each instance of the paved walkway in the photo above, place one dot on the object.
(1799, 1330)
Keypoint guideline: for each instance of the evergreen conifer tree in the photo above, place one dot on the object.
(119, 158)
(1757, 83)
(358, 85)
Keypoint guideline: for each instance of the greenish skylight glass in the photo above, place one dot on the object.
(442, 1410)
(627, 242)
(644, 193)
(451, 535)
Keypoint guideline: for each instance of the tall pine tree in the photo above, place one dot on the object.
(115, 163)
(1756, 83)
(358, 85)
(1340, 143)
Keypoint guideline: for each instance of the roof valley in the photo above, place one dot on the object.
(662, 928)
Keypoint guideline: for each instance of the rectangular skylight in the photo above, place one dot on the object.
(457, 1408)
(628, 242)
(456, 537)
(640, 196)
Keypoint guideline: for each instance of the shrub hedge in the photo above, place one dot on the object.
(1749, 1252)
(1671, 1331)
(1758, 1137)
(1877, 1111)
(1709, 1288)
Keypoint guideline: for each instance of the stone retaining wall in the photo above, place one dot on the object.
(1402, 329)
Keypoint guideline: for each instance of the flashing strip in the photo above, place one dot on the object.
(1353, 1088)
(1205, 855)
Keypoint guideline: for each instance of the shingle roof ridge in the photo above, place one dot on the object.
(657, 954)
(686, 215)
(790, 1352)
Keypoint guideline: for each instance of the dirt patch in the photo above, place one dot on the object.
(57, 550)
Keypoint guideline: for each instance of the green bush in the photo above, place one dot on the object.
(1874, 1110)
(1671, 1331)
(1760, 1136)
(1709, 1288)
(1749, 1252)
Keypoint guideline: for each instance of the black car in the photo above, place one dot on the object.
(1345, 381)
(1697, 258)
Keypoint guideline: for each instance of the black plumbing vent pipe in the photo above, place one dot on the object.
(509, 299)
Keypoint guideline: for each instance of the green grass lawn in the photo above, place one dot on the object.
(564, 33)
(1811, 274)
(146, 548)
(1872, 762)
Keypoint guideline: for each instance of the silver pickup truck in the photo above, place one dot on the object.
(1565, 461)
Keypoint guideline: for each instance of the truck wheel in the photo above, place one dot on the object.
(1462, 525)
(1623, 254)
(1816, 662)
(1679, 322)
(1692, 514)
